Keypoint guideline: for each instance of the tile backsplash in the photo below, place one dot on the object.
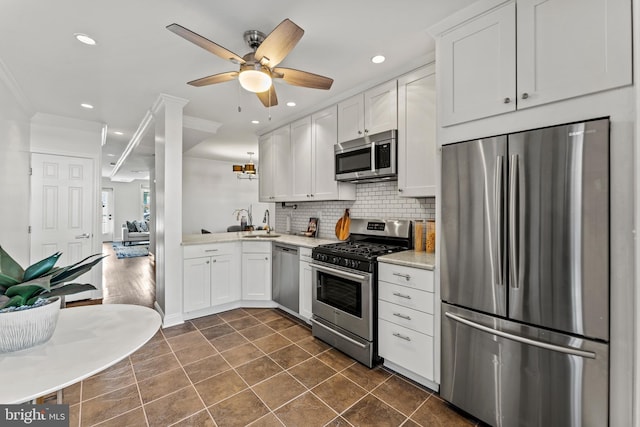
(373, 200)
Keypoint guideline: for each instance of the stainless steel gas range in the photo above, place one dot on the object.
(345, 282)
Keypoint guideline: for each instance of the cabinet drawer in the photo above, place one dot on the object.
(406, 297)
(406, 276)
(197, 251)
(407, 317)
(404, 347)
(256, 247)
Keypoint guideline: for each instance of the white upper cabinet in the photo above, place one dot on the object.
(477, 68)
(275, 165)
(301, 153)
(312, 145)
(417, 133)
(525, 53)
(266, 179)
(568, 48)
(373, 111)
(381, 108)
(351, 118)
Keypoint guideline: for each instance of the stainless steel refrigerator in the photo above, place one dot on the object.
(524, 262)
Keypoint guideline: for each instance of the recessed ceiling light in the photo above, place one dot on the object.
(87, 106)
(118, 133)
(291, 104)
(378, 59)
(110, 155)
(255, 122)
(83, 38)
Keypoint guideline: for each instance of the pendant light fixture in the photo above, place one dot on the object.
(248, 170)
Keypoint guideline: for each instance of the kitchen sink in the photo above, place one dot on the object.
(261, 236)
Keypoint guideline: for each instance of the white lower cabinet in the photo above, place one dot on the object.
(211, 275)
(256, 271)
(406, 322)
(306, 292)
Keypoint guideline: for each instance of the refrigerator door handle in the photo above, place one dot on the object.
(513, 224)
(553, 347)
(498, 190)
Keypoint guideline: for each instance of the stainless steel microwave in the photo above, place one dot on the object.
(367, 159)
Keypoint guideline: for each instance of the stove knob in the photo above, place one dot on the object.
(335, 260)
(355, 264)
(346, 262)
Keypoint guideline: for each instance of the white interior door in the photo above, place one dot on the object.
(107, 215)
(61, 208)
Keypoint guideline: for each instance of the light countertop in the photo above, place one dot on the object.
(241, 236)
(423, 260)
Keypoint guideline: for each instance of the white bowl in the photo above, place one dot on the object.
(27, 328)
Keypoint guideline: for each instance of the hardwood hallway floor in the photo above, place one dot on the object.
(127, 280)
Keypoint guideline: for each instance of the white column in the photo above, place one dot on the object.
(167, 112)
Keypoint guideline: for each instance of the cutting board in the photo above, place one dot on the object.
(342, 226)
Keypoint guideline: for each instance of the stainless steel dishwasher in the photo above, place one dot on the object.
(285, 280)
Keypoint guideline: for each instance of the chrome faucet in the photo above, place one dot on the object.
(267, 220)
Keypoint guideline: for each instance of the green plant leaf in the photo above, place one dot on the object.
(41, 267)
(67, 289)
(15, 301)
(7, 281)
(75, 270)
(9, 267)
(26, 291)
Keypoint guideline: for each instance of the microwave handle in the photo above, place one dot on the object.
(373, 156)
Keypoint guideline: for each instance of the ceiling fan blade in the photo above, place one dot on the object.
(205, 43)
(302, 78)
(216, 78)
(279, 43)
(269, 95)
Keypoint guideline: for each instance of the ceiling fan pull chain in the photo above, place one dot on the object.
(269, 104)
(239, 108)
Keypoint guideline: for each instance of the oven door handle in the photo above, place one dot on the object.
(339, 273)
(333, 331)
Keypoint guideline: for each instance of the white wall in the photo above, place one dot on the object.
(127, 202)
(14, 174)
(210, 194)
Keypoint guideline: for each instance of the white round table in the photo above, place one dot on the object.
(86, 341)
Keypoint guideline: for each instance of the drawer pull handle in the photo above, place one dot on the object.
(398, 294)
(402, 316)
(406, 276)
(211, 250)
(395, 334)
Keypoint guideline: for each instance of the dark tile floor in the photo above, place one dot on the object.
(253, 367)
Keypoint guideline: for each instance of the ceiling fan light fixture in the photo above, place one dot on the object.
(255, 80)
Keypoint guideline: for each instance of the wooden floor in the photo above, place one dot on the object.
(127, 280)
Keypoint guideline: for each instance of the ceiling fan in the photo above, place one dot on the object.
(258, 67)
